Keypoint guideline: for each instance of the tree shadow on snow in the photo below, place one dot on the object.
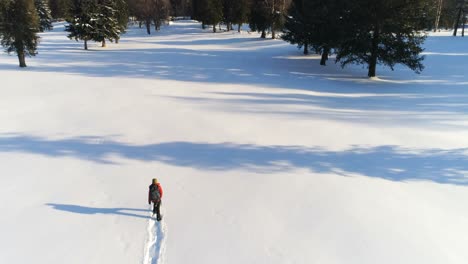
(437, 96)
(394, 110)
(386, 162)
(232, 58)
(78, 209)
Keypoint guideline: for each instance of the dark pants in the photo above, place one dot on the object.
(156, 209)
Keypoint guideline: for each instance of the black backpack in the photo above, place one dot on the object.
(154, 193)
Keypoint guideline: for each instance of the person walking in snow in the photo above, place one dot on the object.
(154, 196)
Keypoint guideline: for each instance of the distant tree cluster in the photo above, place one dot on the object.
(44, 14)
(368, 32)
(59, 8)
(181, 8)
(443, 13)
(268, 15)
(461, 16)
(262, 15)
(150, 12)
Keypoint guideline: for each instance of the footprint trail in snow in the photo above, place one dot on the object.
(156, 244)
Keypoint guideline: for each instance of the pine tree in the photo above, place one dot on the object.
(19, 28)
(3, 7)
(241, 13)
(268, 15)
(180, 7)
(107, 26)
(317, 24)
(299, 25)
(383, 32)
(228, 13)
(59, 8)
(210, 12)
(260, 17)
(83, 23)
(122, 15)
(196, 7)
(45, 17)
(235, 12)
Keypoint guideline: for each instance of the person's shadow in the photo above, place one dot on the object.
(78, 209)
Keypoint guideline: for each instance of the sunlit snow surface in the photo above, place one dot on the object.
(265, 156)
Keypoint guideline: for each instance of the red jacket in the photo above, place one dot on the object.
(159, 189)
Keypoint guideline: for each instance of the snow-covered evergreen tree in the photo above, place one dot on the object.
(82, 24)
(19, 27)
(385, 32)
(122, 15)
(107, 25)
(45, 17)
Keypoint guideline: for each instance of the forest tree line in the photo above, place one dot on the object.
(368, 32)
(439, 14)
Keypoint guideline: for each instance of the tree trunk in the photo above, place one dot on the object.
(457, 22)
(373, 53)
(86, 44)
(239, 28)
(372, 66)
(228, 28)
(104, 43)
(325, 53)
(214, 28)
(148, 27)
(273, 33)
(157, 24)
(438, 14)
(464, 22)
(22, 61)
(203, 25)
(306, 48)
(140, 24)
(117, 40)
(263, 34)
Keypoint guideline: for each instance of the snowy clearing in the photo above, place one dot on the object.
(264, 155)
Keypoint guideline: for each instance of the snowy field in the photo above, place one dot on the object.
(265, 157)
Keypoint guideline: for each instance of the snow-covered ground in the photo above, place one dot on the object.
(264, 156)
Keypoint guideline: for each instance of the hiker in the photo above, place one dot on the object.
(154, 195)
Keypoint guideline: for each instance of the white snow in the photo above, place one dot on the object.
(264, 155)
